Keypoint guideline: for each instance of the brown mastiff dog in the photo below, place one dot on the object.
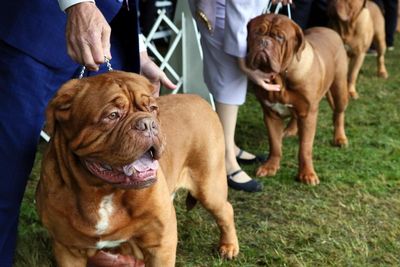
(309, 66)
(360, 23)
(115, 159)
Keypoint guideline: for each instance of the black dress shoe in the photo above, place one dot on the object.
(256, 159)
(250, 186)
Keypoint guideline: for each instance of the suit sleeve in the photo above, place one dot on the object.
(237, 15)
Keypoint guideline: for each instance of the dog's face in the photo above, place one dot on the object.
(110, 122)
(273, 41)
(345, 10)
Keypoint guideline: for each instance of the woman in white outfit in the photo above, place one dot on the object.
(223, 28)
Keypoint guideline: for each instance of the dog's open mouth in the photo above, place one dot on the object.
(139, 174)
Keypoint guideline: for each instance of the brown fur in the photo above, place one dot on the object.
(359, 23)
(306, 66)
(185, 136)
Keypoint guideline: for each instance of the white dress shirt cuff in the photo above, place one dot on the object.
(64, 4)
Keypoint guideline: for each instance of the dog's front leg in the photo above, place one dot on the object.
(307, 127)
(68, 257)
(159, 248)
(274, 125)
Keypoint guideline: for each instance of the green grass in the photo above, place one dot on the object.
(351, 219)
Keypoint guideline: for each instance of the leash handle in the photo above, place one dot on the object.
(107, 62)
(278, 7)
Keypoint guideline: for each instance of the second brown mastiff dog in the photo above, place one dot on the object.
(309, 66)
(359, 23)
(116, 157)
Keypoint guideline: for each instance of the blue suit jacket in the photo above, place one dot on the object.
(37, 28)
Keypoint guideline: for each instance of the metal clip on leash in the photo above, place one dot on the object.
(107, 61)
(277, 8)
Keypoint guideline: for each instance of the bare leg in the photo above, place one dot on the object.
(228, 115)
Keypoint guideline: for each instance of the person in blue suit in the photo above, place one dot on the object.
(307, 13)
(41, 47)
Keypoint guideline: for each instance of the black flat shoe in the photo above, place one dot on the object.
(256, 159)
(250, 186)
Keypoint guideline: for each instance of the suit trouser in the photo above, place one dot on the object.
(389, 8)
(26, 86)
(310, 13)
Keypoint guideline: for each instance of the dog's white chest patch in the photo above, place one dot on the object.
(282, 109)
(106, 210)
(108, 243)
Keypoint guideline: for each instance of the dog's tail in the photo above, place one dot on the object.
(190, 202)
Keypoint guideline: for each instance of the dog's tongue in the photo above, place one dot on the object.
(144, 163)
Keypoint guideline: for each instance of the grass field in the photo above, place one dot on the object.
(351, 219)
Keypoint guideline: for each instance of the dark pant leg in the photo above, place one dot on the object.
(390, 7)
(309, 13)
(318, 15)
(26, 85)
(301, 12)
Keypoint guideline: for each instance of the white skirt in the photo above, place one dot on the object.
(222, 75)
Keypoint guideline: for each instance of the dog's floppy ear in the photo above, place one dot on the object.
(300, 41)
(141, 91)
(347, 10)
(249, 26)
(59, 107)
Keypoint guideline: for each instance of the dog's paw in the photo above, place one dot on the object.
(383, 74)
(309, 178)
(341, 142)
(267, 169)
(228, 251)
(354, 95)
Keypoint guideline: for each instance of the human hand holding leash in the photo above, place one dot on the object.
(87, 35)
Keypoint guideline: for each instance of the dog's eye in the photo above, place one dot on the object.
(279, 38)
(113, 116)
(153, 108)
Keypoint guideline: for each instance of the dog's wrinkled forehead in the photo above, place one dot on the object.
(272, 25)
(116, 87)
(108, 86)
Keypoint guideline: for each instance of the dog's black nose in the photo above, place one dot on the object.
(148, 126)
